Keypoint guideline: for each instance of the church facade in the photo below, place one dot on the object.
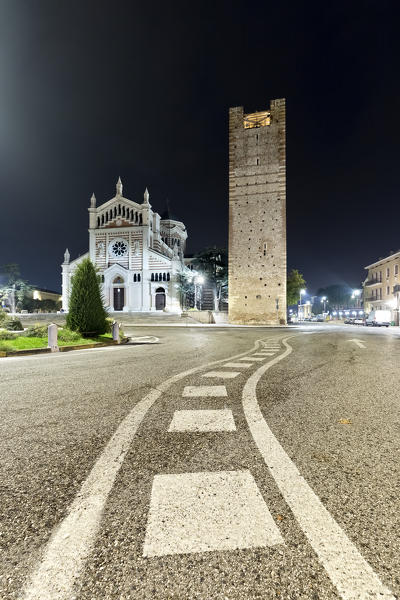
(138, 254)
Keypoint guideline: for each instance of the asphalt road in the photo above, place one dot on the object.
(144, 471)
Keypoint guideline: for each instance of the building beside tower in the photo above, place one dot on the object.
(257, 215)
(139, 255)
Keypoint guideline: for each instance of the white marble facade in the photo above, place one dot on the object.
(138, 254)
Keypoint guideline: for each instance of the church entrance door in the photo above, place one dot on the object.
(160, 298)
(119, 298)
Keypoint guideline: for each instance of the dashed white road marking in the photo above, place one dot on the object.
(222, 374)
(72, 540)
(237, 365)
(264, 353)
(359, 343)
(203, 420)
(347, 569)
(252, 358)
(201, 512)
(213, 391)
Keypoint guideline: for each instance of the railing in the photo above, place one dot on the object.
(373, 282)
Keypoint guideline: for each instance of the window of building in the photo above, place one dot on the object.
(387, 272)
(387, 290)
(396, 269)
(257, 119)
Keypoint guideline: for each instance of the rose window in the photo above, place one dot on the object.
(119, 248)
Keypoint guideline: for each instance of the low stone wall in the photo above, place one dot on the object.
(201, 316)
(42, 318)
(208, 316)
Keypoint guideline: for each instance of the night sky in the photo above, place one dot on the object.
(91, 90)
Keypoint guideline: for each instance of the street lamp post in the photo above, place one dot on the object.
(324, 299)
(199, 280)
(356, 295)
(298, 310)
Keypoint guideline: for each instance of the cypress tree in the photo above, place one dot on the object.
(86, 314)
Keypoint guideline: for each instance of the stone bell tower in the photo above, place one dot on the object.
(257, 215)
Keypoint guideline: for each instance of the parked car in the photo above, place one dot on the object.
(378, 318)
(349, 321)
(358, 321)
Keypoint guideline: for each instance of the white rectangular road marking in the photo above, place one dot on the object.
(203, 420)
(204, 390)
(201, 512)
(222, 374)
(264, 354)
(236, 365)
(251, 358)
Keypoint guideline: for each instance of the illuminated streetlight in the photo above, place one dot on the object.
(298, 310)
(324, 299)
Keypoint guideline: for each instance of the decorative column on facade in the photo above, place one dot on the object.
(65, 286)
(92, 226)
(146, 288)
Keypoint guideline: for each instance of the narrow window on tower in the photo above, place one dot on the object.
(265, 248)
(258, 161)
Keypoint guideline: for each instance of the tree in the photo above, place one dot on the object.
(14, 291)
(338, 295)
(212, 263)
(295, 282)
(86, 314)
(186, 287)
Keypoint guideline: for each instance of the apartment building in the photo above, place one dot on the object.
(382, 286)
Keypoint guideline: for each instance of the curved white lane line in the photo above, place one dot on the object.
(347, 569)
(72, 540)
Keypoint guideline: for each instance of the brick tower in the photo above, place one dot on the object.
(257, 215)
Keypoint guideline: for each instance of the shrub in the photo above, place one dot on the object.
(109, 322)
(13, 325)
(86, 311)
(3, 317)
(7, 335)
(4, 348)
(39, 331)
(66, 335)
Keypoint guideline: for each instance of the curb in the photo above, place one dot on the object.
(61, 348)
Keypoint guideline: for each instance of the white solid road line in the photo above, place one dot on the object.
(347, 569)
(203, 420)
(197, 391)
(222, 374)
(72, 540)
(201, 512)
(237, 365)
(359, 343)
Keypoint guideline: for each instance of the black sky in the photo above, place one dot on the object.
(91, 90)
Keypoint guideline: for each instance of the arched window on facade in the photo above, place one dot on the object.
(106, 217)
(115, 211)
(118, 279)
(156, 277)
(152, 277)
(123, 211)
(119, 209)
(140, 219)
(98, 221)
(168, 277)
(164, 277)
(138, 277)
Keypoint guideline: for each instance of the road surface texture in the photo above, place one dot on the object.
(213, 463)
